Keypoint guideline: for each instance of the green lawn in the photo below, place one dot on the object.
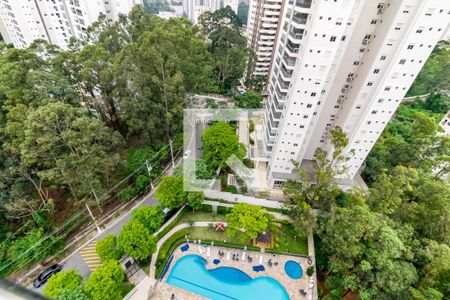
(288, 241)
(200, 216)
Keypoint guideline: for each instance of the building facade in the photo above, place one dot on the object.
(23, 21)
(193, 9)
(344, 63)
(262, 30)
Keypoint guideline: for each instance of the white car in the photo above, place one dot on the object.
(186, 154)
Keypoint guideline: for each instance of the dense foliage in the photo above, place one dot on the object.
(64, 280)
(74, 123)
(399, 228)
(105, 282)
(107, 249)
(435, 75)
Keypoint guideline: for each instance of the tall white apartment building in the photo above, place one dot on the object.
(23, 21)
(262, 30)
(195, 8)
(344, 63)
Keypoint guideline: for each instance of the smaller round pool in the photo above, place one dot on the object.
(293, 269)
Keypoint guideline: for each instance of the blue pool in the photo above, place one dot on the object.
(222, 283)
(293, 269)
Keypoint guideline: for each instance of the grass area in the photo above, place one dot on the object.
(287, 240)
(198, 216)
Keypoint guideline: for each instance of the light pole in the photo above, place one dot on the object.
(96, 199)
(93, 218)
(149, 170)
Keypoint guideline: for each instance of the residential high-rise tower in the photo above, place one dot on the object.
(344, 63)
(23, 21)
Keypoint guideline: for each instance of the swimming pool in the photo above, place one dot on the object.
(222, 283)
(293, 269)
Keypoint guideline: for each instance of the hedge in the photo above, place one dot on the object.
(172, 223)
(223, 210)
(205, 208)
(167, 248)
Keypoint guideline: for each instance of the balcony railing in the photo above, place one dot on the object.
(283, 84)
(289, 60)
(286, 73)
(292, 47)
(300, 18)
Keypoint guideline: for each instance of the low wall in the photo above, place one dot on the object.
(241, 199)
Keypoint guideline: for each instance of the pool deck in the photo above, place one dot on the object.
(292, 286)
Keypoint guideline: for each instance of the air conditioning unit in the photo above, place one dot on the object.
(345, 88)
(350, 77)
(380, 8)
(366, 39)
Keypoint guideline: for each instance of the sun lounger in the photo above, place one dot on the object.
(243, 255)
(258, 268)
(261, 258)
(200, 250)
(208, 252)
(228, 255)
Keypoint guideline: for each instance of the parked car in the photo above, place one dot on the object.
(186, 154)
(44, 276)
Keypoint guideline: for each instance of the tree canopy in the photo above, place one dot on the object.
(249, 99)
(105, 282)
(63, 281)
(220, 141)
(150, 216)
(247, 221)
(107, 248)
(136, 240)
(170, 191)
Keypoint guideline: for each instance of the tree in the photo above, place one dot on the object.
(150, 216)
(64, 280)
(170, 191)
(195, 200)
(220, 142)
(434, 76)
(68, 147)
(249, 100)
(320, 189)
(246, 221)
(75, 294)
(202, 170)
(107, 249)
(136, 241)
(365, 254)
(228, 46)
(105, 282)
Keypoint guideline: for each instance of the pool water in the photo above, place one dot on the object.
(293, 269)
(222, 283)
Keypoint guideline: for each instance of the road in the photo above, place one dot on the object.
(85, 255)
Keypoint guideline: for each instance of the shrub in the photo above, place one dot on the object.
(205, 208)
(75, 294)
(231, 189)
(167, 248)
(142, 181)
(172, 223)
(64, 280)
(126, 194)
(107, 249)
(252, 141)
(150, 216)
(310, 271)
(251, 126)
(222, 210)
(105, 282)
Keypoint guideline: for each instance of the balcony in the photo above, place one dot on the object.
(303, 3)
(280, 95)
(293, 48)
(296, 33)
(300, 18)
(283, 84)
(290, 62)
(286, 73)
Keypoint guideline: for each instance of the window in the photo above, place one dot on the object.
(358, 107)
(370, 83)
(388, 88)
(333, 39)
(374, 112)
(309, 105)
(343, 38)
(383, 57)
(313, 94)
(402, 61)
(355, 63)
(376, 71)
(410, 46)
(419, 31)
(374, 21)
(381, 100)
